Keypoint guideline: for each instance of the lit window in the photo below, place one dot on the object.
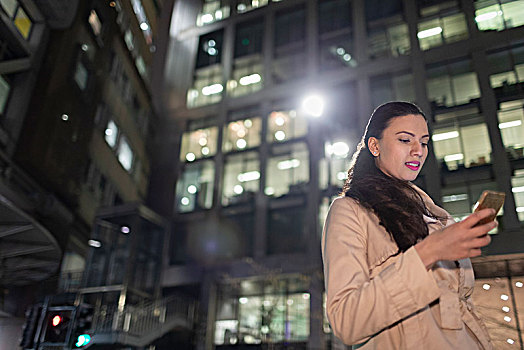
(4, 93)
(95, 22)
(499, 16)
(517, 183)
(129, 40)
(386, 41)
(198, 144)
(23, 23)
(511, 125)
(195, 186)
(286, 125)
(125, 154)
(81, 75)
(212, 11)
(468, 145)
(111, 134)
(248, 5)
(435, 32)
(452, 84)
(287, 170)
(9, 7)
(241, 178)
(242, 134)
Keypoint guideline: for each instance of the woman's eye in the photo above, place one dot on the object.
(424, 144)
(404, 140)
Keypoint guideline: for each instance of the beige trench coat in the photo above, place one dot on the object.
(382, 300)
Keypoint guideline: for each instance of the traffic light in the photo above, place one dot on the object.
(57, 326)
(84, 321)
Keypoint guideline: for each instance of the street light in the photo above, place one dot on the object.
(313, 105)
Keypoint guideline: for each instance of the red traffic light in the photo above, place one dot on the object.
(56, 320)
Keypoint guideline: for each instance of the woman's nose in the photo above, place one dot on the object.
(417, 149)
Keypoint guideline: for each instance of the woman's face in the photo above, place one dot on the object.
(403, 148)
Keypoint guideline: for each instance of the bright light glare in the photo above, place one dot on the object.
(504, 297)
(184, 201)
(510, 124)
(288, 164)
(241, 143)
(207, 18)
(487, 16)
(144, 26)
(192, 189)
(243, 300)
(94, 243)
(238, 189)
(341, 175)
(518, 284)
(280, 135)
(452, 157)
(507, 318)
(340, 149)
(249, 176)
(520, 209)
(517, 189)
(212, 89)
(455, 198)
(313, 105)
(486, 286)
(505, 309)
(56, 320)
(510, 341)
(429, 32)
(190, 157)
(250, 79)
(445, 136)
(205, 150)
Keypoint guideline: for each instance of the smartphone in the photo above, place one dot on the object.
(489, 199)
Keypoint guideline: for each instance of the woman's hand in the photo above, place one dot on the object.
(457, 241)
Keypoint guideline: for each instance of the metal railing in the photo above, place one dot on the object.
(146, 321)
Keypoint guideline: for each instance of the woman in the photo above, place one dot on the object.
(397, 268)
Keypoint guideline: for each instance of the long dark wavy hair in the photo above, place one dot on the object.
(399, 207)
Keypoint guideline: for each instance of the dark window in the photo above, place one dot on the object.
(285, 230)
(376, 9)
(210, 49)
(290, 26)
(333, 15)
(249, 37)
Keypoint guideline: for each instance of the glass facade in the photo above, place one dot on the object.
(198, 144)
(242, 134)
(212, 11)
(391, 88)
(195, 186)
(443, 29)
(262, 312)
(241, 178)
(506, 69)
(499, 301)
(451, 84)
(290, 46)
(286, 125)
(511, 125)
(462, 144)
(499, 14)
(287, 170)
